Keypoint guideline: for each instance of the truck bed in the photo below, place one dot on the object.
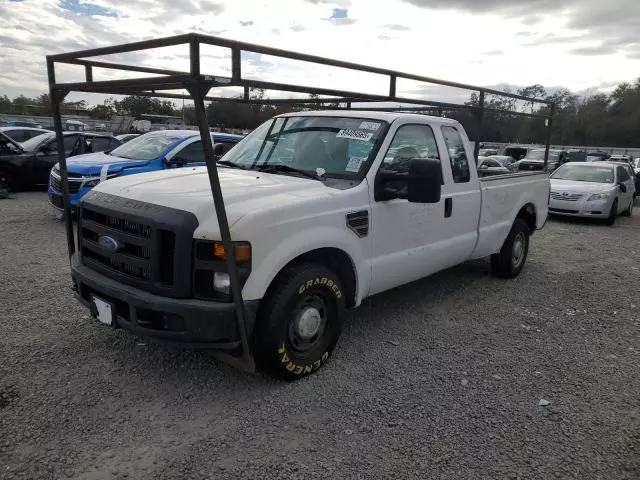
(502, 197)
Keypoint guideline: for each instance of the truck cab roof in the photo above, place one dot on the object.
(373, 115)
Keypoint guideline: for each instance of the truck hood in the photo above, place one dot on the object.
(245, 193)
(579, 187)
(92, 163)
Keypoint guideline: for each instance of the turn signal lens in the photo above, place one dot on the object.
(242, 252)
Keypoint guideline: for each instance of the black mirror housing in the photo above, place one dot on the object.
(623, 187)
(424, 181)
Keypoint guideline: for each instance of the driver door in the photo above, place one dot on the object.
(47, 157)
(626, 196)
(407, 237)
(191, 155)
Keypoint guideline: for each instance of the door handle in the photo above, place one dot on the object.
(448, 207)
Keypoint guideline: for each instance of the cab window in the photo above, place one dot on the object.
(410, 141)
(457, 155)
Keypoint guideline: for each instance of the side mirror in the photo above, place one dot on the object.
(177, 161)
(623, 187)
(421, 184)
(425, 181)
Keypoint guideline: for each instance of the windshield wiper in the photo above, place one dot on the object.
(227, 163)
(280, 167)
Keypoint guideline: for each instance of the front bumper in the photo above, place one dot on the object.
(188, 322)
(580, 208)
(55, 198)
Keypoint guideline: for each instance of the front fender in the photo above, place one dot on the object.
(303, 242)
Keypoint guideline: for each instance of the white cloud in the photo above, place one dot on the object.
(442, 43)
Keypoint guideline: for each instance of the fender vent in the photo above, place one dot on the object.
(358, 222)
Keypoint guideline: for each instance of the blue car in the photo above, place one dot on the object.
(146, 153)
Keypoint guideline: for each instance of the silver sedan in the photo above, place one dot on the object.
(594, 189)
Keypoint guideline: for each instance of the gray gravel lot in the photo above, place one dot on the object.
(439, 379)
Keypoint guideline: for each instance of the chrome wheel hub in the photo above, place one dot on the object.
(518, 249)
(308, 323)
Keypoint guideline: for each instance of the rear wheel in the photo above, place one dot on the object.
(629, 210)
(299, 321)
(611, 219)
(513, 255)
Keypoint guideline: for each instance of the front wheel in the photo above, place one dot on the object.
(513, 254)
(299, 321)
(629, 209)
(611, 219)
(7, 183)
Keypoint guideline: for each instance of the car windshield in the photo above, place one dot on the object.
(33, 143)
(324, 146)
(584, 173)
(146, 147)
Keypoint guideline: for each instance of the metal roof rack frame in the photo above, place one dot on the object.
(198, 86)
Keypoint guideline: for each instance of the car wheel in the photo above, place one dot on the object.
(299, 321)
(513, 255)
(629, 210)
(611, 219)
(7, 183)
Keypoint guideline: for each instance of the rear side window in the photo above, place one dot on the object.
(457, 155)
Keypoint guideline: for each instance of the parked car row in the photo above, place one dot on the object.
(143, 153)
(27, 164)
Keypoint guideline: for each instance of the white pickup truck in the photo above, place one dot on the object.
(325, 209)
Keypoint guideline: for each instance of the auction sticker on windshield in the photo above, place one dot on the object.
(355, 134)
(354, 164)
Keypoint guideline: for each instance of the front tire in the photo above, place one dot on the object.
(299, 321)
(7, 183)
(629, 210)
(611, 219)
(513, 254)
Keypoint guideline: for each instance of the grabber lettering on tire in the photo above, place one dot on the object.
(299, 321)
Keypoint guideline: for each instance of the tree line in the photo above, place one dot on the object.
(596, 118)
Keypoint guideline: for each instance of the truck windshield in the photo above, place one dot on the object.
(146, 147)
(584, 173)
(337, 147)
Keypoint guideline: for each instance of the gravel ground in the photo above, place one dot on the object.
(439, 379)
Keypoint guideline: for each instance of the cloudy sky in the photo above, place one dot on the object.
(579, 44)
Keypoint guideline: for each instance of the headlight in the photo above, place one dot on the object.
(598, 196)
(96, 180)
(211, 275)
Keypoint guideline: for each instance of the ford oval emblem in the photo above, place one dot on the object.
(108, 243)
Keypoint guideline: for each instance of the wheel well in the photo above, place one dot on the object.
(528, 214)
(335, 259)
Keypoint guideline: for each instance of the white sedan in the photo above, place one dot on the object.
(594, 189)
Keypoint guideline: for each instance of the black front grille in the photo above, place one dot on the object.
(56, 182)
(131, 257)
(147, 246)
(562, 210)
